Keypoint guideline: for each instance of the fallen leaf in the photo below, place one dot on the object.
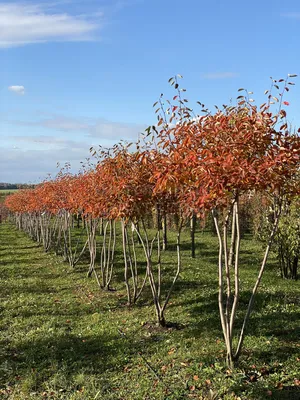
(184, 364)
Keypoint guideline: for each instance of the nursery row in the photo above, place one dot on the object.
(187, 166)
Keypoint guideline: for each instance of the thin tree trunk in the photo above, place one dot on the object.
(251, 301)
(192, 231)
(221, 293)
(165, 230)
(233, 239)
(236, 265)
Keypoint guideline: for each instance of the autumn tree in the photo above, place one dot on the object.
(215, 158)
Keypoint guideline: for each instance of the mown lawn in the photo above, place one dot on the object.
(63, 338)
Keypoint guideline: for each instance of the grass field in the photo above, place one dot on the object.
(6, 192)
(63, 338)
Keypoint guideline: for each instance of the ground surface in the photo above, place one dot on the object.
(63, 338)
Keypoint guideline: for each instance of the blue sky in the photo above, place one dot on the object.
(81, 73)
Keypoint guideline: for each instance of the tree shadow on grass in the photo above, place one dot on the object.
(67, 354)
(20, 248)
(260, 392)
(278, 322)
(18, 260)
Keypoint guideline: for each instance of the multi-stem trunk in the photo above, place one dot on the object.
(131, 272)
(228, 292)
(227, 307)
(107, 254)
(126, 267)
(223, 314)
(155, 277)
(91, 226)
(277, 213)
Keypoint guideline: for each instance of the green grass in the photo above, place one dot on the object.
(63, 338)
(5, 191)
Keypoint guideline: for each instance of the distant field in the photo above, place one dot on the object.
(7, 191)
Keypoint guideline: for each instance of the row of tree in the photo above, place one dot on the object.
(187, 165)
(14, 186)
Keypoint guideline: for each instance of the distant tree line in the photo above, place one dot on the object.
(12, 186)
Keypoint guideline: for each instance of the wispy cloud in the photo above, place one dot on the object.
(60, 123)
(98, 128)
(37, 164)
(293, 15)
(27, 23)
(49, 141)
(219, 75)
(17, 89)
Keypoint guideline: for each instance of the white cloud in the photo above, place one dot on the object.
(62, 124)
(17, 89)
(23, 24)
(35, 165)
(49, 141)
(294, 15)
(219, 75)
(116, 130)
(98, 128)
(31, 157)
